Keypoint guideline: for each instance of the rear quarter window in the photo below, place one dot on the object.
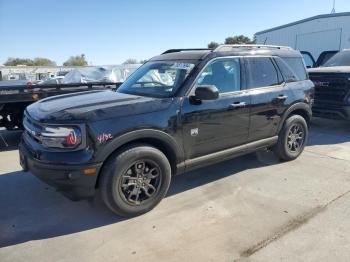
(288, 74)
(298, 67)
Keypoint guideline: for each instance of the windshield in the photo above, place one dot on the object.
(340, 59)
(157, 79)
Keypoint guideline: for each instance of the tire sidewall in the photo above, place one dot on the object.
(116, 200)
(287, 126)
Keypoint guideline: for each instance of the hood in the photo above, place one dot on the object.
(94, 105)
(331, 69)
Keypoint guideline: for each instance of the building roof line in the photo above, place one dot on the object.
(303, 21)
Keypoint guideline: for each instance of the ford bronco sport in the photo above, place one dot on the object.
(181, 110)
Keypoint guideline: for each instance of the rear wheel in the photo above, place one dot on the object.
(292, 138)
(135, 180)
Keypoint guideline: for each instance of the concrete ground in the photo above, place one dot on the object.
(253, 208)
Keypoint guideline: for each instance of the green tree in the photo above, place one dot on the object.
(213, 45)
(78, 60)
(19, 61)
(130, 61)
(41, 61)
(238, 40)
(254, 39)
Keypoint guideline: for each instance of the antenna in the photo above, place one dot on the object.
(333, 10)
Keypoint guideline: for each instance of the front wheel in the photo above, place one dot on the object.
(292, 138)
(135, 180)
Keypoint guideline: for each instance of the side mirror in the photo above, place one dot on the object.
(206, 92)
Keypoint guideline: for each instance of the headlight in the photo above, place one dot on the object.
(61, 137)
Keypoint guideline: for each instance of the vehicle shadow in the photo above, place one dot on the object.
(31, 210)
(328, 132)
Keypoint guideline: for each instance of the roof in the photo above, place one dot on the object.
(182, 55)
(228, 50)
(303, 21)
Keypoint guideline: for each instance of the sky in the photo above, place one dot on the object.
(111, 31)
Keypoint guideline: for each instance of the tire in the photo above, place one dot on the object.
(134, 180)
(289, 137)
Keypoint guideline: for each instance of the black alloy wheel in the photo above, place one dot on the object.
(296, 138)
(140, 182)
(135, 179)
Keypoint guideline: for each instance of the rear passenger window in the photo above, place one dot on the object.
(298, 67)
(261, 72)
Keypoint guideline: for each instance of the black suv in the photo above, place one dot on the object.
(332, 87)
(181, 110)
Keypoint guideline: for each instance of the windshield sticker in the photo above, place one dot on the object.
(184, 66)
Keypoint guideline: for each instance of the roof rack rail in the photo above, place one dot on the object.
(230, 47)
(188, 49)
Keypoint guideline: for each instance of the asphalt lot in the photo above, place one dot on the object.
(253, 208)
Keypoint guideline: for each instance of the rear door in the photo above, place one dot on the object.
(269, 96)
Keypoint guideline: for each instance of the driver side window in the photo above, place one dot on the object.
(224, 74)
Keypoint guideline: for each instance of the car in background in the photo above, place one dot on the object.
(321, 60)
(52, 80)
(332, 87)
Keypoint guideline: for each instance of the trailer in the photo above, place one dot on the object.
(15, 98)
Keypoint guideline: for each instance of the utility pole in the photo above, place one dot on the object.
(333, 10)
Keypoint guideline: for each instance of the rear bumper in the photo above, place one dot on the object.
(69, 179)
(331, 111)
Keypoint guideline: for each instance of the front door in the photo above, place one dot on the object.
(212, 126)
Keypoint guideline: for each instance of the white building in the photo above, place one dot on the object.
(330, 32)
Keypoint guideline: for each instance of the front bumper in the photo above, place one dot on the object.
(331, 111)
(69, 179)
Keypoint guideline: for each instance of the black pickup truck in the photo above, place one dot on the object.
(181, 110)
(15, 98)
(332, 87)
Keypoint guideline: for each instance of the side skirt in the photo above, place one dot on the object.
(216, 157)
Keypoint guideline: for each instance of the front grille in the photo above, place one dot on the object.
(330, 87)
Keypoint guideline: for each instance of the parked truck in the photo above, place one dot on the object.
(15, 98)
(332, 87)
(16, 95)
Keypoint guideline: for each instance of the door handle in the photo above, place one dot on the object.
(282, 97)
(237, 105)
